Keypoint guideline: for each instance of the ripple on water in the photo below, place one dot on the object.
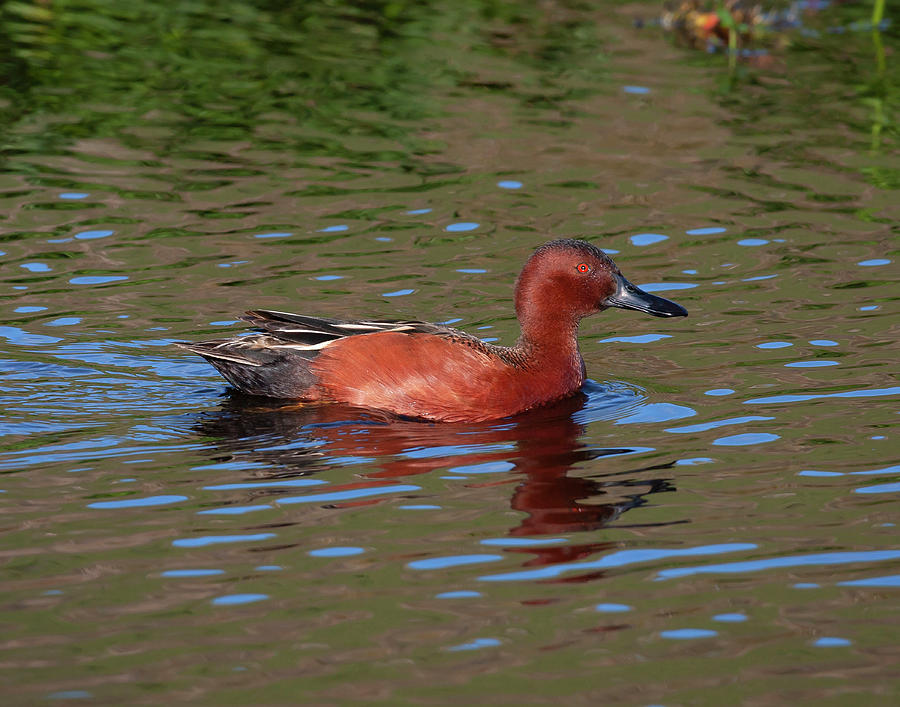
(687, 634)
(139, 502)
(207, 540)
(621, 558)
(822, 559)
(645, 239)
(746, 439)
(637, 339)
(236, 599)
(336, 552)
(462, 226)
(475, 645)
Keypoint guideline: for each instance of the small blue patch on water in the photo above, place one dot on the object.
(704, 426)
(806, 585)
(442, 563)
(831, 642)
(690, 271)
(420, 507)
(751, 242)
(74, 195)
(272, 235)
(509, 184)
(706, 231)
(609, 251)
(268, 568)
(225, 322)
(774, 345)
(397, 293)
(471, 271)
(521, 542)
(823, 342)
(234, 510)
(874, 263)
(664, 286)
(236, 599)
(461, 594)
(139, 502)
(52, 593)
(284, 483)
(334, 229)
(96, 279)
(384, 239)
(813, 472)
(686, 634)
(719, 391)
(745, 439)
(612, 608)
(636, 90)
(657, 412)
(641, 339)
(462, 226)
(483, 468)
(876, 392)
(644, 239)
(92, 235)
(821, 559)
(70, 695)
(810, 364)
(758, 278)
(220, 539)
(64, 321)
(349, 495)
(418, 212)
(35, 267)
(191, 573)
(892, 580)
(869, 308)
(475, 645)
(730, 618)
(880, 488)
(336, 552)
(28, 310)
(693, 461)
(327, 278)
(620, 558)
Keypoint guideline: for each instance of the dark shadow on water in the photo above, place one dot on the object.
(535, 452)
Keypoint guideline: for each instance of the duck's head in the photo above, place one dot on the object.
(569, 279)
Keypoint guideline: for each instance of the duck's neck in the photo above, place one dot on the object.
(551, 343)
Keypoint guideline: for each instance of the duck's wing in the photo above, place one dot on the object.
(276, 360)
(282, 333)
(305, 333)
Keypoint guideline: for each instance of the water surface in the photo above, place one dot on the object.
(711, 521)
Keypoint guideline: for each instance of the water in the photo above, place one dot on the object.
(712, 521)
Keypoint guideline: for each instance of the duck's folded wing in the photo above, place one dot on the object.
(319, 332)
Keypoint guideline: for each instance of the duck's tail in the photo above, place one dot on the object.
(252, 366)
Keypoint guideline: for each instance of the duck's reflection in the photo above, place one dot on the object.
(538, 448)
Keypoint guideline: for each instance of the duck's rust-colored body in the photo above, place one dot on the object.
(434, 372)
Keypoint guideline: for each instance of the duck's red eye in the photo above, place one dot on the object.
(582, 267)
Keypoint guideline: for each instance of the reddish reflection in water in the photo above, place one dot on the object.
(538, 449)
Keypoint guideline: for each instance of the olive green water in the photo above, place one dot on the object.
(712, 522)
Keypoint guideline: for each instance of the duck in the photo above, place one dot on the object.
(432, 372)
